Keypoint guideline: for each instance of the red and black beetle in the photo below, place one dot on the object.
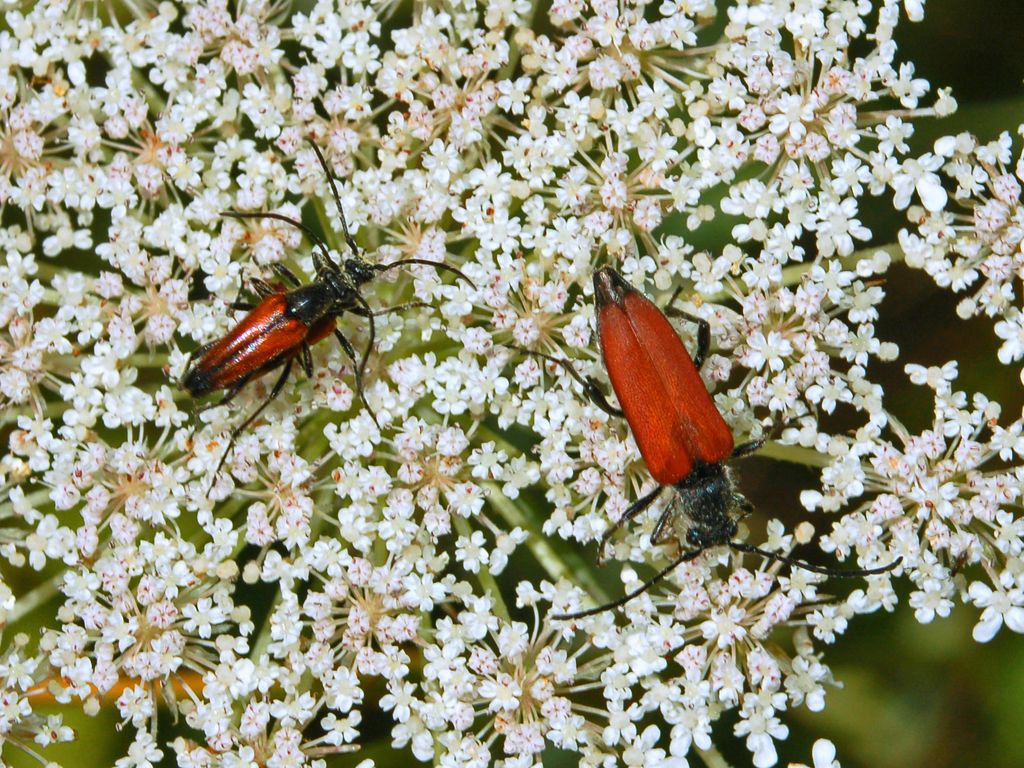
(682, 437)
(279, 330)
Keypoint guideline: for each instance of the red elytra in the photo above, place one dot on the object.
(682, 436)
(675, 421)
(263, 340)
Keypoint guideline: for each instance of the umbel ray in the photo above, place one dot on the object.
(682, 437)
(278, 331)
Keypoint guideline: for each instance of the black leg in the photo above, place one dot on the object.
(229, 395)
(631, 512)
(238, 430)
(591, 387)
(351, 352)
(662, 528)
(337, 198)
(346, 345)
(361, 370)
(242, 306)
(703, 331)
(287, 274)
(307, 360)
(261, 287)
(746, 449)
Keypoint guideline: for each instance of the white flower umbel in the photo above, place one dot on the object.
(976, 242)
(351, 578)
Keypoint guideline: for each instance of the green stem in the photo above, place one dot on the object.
(514, 50)
(33, 500)
(794, 454)
(712, 757)
(36, 597)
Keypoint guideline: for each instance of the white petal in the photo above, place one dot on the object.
(914, 9)
(986, 629)
(1015, 619)
(823, 753)
(933, 196)
(981, 594)
(945, 146)
(765, 755)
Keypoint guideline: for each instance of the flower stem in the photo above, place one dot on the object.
(712, 757)
(39, 595)
(795, 454)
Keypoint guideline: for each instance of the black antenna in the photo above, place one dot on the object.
(841, 573)
(739, 546)
(348, 235)
(313, 236)
(337, 198)
(636, 592)
(427, 263)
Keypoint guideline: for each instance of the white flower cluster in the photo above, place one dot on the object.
(977, 243)
(346, 562)
(941, 508)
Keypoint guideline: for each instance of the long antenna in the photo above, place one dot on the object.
(741, 547)
(636, 592)
(337, 198)
(842, 573)
(426, 263)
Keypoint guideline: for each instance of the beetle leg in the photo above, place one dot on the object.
(229, 395)
(661, 528)
(351, 352)
(278, 386)
(243, 306)
(746, 449)
(197, 352)
(401, 307)
(590, 385)
(337, 198)
(261, 287)
(287, 274)
(307, 360)
(366, 355)
(742, 504)
(632, 511)
(322, 264)
(703, 330)
(346, 345)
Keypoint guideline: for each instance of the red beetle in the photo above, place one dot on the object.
(681, 435)
(281, 327)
